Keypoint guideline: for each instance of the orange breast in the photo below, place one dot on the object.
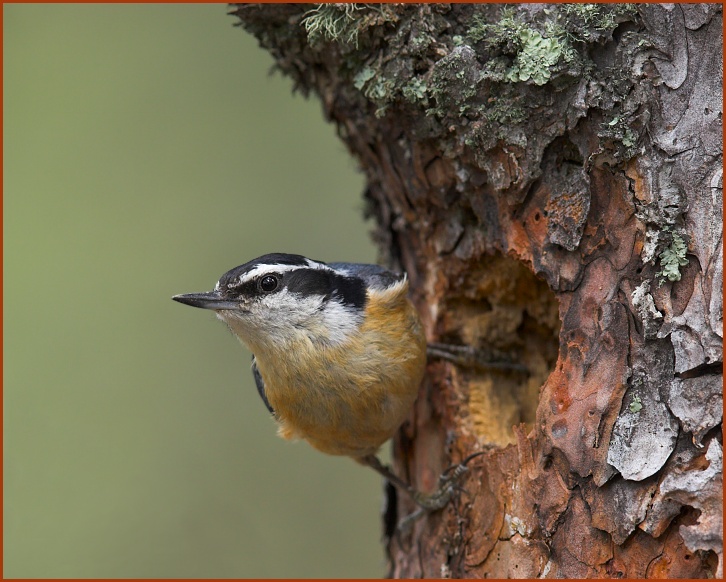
(350, 398)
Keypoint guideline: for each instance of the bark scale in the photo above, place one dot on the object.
(550, 178)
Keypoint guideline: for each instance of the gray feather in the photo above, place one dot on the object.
(374, 276)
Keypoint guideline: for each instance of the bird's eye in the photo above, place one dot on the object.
(268, 283)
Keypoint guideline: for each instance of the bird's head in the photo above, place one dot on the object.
(279, 300)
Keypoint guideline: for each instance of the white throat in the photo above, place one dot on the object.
(283, 321)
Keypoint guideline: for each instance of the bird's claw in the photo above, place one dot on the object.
(443, 494)
(447, 486)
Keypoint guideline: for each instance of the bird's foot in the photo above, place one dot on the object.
(448, 485)
(471, 357)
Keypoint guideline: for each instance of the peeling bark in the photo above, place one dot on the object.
(550, 178)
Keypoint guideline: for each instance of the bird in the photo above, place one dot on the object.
(339, 352)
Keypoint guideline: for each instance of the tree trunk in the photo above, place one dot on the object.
(549, 176)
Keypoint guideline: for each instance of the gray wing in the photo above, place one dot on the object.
(261, 386)
(374, 275)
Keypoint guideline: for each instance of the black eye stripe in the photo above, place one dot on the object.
(306, 282)
(235, 290)
(350, 291)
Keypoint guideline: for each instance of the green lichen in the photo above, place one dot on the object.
(535, 58)
(332, 22)
(496, 34)
(621, 135)
(362, 77)
(672, 259)
(504, 111)
(454, 82)
(494, 67)
(586, 22)
(551, 45)
(635, 404)
(629, 138)
(415, 90)
(522, 51)
(376, 87)
(344, 24)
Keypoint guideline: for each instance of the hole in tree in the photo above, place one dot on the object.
(504, 311)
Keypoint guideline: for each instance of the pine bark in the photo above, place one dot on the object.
(550, 177)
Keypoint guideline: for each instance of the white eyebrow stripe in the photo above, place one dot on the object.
(261, 270)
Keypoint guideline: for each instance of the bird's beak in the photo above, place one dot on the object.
(211, 300)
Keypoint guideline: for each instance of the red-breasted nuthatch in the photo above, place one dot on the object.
(338, 351)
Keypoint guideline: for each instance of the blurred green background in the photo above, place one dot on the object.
(147, 151)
